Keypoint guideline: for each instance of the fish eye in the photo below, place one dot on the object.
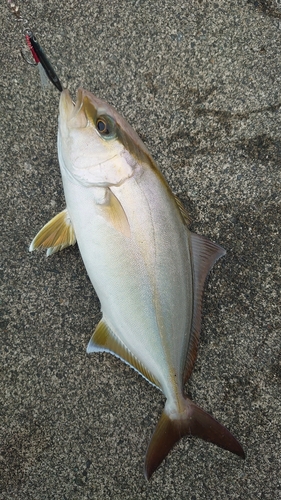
(102, 126)
(106, 127)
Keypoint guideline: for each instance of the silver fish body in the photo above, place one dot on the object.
(147, 268)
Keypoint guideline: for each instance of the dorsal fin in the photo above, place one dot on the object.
(185, 215)
(104, 340)
(57, 234)
(204, 254)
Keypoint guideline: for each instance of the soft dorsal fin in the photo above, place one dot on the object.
(204, 254)
(185, 215)
(113, 212)
(104, 340)
(57, 234)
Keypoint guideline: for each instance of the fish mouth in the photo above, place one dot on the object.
(70, 111)
(79, 102)
(66, 105)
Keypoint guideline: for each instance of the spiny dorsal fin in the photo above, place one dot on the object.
(114, 213)
(104, 340)
(185, 215)
(204, 254)
(57, 234)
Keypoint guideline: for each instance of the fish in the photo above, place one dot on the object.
(147, 268)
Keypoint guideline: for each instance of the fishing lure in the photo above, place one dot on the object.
(39, 57)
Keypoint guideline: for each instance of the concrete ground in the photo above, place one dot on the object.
(200, 82)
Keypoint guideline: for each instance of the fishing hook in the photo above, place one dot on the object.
(24, 53)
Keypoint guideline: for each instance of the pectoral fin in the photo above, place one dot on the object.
(57, 234)
(104, 340)
(114, 214)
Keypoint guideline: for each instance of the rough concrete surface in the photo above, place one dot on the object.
(200, 82)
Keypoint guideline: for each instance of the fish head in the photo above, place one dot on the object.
(96, 145)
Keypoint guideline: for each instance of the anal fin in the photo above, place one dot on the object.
(57, 234)
(104, 340)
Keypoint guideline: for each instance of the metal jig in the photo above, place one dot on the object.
(39, 57)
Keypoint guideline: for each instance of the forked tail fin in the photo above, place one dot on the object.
(193, 421)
